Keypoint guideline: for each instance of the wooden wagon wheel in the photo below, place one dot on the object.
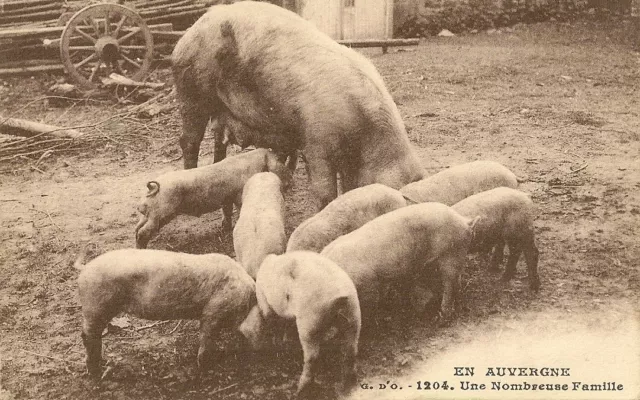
(105, 38)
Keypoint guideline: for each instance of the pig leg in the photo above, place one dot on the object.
(497, 257)
(194, 123)
(515, 249)
(219, 154)
(449, 268)
(323, 179)
(208, 326)
(220, 147)
(92, 328)
(531, 257)
(349, 375)
(311, 352)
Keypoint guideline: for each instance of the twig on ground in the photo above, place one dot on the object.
(51, 357)
(223, 389)
(573, 171)
(151, 325)
(175, 327)
(49, 216)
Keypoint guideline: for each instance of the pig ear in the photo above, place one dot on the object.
(154, 188)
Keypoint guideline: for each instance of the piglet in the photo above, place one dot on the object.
(201, 190)
(459, 182)
(318, 295)
(259, 230)
(506, 217)
(161, 285)
(401, 247)
(345, 214)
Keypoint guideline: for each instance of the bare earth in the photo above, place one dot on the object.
(558, 104)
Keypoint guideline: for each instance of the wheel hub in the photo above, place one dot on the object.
(107, 49)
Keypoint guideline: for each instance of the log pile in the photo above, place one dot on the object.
(30, 30)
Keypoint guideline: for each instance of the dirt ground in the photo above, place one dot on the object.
(559, 104)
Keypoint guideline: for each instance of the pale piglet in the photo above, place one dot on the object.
(402, 246)
(345, 214)
(161, 285)
(459, 182)
(259, 230)
(318, 295)
(201, 190)
(506, 217)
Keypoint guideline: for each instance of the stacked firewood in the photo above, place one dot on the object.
(30, 30)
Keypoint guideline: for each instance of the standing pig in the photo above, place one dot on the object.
(401, 247)
(160, 285)
(276, 74)
(506, 216)
(459, 182)
(318, 295)
(345, 214)
(260, 227)
(202, 190)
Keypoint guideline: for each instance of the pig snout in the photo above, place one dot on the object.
(145, 229)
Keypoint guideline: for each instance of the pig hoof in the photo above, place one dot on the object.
(442, 320)
(94, 372)
(309, 391)
(535, 285)
(226, 226)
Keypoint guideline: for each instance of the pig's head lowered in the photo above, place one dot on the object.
(254, 329)
(278, 163)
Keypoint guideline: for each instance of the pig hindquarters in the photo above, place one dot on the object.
(318, 295)
(260, 227)
(506, 217)
(160, 285)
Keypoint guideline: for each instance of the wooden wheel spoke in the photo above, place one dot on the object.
(94, 25)
(129, 35)
(133, 47)
(116, 32)
(82, 48)
(130, 61)
(125, 40)
(85, 35)
(86, 60)
(107, 22)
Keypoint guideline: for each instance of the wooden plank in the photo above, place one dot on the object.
(14, 5)
(55, 31)
(30, 128)
(35, 32)
(38, 16)
(168, 11)
(28, 10)
(379, 43)
(172, 17)
(165, 6)
(31, 70)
